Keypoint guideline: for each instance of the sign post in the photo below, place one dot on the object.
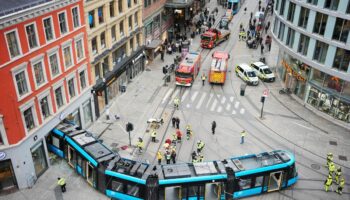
(262, 100)
(129, 128)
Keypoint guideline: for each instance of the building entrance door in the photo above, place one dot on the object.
(7, 176)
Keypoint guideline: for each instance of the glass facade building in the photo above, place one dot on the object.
(314, 58)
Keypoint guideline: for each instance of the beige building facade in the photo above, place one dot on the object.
(116, 45)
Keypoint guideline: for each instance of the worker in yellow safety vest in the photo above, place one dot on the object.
(341, 186)
(338, 175)
(62, 182)
(153, 135)
(328, 183)
(159, 157)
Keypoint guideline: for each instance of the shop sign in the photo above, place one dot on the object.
(291, 71)
(2, 155)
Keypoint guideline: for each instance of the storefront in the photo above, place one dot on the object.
(7, 176)
(326, 93)
(116, 80)
(39, 158)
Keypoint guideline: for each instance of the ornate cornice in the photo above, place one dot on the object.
(33, 12)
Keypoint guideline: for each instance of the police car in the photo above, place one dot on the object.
(247, 74)
(263, 71)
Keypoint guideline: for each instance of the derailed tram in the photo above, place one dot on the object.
(120, 178)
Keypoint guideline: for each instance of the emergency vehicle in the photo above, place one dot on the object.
(212, 37)
(188, 69)
(218, 67)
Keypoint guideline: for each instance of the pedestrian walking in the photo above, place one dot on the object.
(62, 183)
(140, 145)
(328, 183)
(245, 10)
(173, 155)
(153, 135)
(331, 169)
(338, 175)
(178, 135)
(173, 120)
(200, 146)
(213, 127)
(203, 79)
(329, 158)
(243, 134)
(194, 155)
(176, 103)
(167, 157)
(177, 123)
(159, 157)
(262, 49)
(267, 27)
(201, 158)
(340, 186)
(268, 41)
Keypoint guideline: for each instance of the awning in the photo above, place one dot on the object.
(178, 3)
(154, 44)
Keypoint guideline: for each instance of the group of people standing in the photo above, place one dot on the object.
(335, 173)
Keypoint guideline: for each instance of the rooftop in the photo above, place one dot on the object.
(12, 6)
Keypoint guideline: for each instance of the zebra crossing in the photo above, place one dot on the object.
(202, 100)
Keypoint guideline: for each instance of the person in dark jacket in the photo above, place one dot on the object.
(213, 127)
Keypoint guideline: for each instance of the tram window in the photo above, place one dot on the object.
(79, 160)
(195, 190)
(244, 183)
(55, 142)
(133, 190)
(117, 186)
(259, 181)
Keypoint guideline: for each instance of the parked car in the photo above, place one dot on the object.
(263, 71)
(247, 74)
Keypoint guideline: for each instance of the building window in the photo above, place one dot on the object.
(130, 22)
(87, 112)
(304, 17)
(283, 2)
(94, 45)
(131, 44)
(281, 31)
(135, 2)
(92, 19)
(120, 6)
(121, 28)
(275, 26)
(341, 60)
(75, 14)
(111, 9)
(12, 43)
(62, 21)
(22, 83)
(147, 3)
(129, 3)
(97, 71)
(291, 11)
(67, 55)
(29, 118)
(82, 78)
(314, 2)
(59, 97)
(31, 36)
(320, 52)
(135, 20)
(277, 3)
(320, 23)
(71, 88)
(341, 30)
(290, 37)
(103, 40)
(38, 70)
(303, 44)
(348, 9)
(105, 66)
(79, 48)
(45, 108)
(331, 4)
(53, 61)
(138, 40)
(100, 15)
(48, 29)
(113, 33)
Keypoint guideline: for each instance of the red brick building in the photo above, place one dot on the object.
(45, 77)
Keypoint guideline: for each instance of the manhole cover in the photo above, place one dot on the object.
(333, 143)
(148, 69)
(344, 158)
(315, 166)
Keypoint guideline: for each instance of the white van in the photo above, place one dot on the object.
(263, 71)
(247, 74)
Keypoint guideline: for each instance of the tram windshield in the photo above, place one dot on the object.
(205, 38)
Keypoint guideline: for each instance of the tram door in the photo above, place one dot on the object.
(275, 181)
(71, 156)
(171, 193)
(214, 191)
(90, 174)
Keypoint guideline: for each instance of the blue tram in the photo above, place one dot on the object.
(234, 5)
(120, 178)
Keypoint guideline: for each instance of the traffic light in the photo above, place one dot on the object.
(262, 100)
(129, 127)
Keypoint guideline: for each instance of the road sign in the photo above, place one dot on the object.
(266, 93)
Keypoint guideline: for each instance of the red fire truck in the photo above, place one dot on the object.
(212, 37)
(218, 68)
(188, 69)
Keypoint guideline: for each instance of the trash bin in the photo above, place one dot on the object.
(243, 86)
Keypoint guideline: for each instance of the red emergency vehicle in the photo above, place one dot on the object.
(188, 69)
(218, 68)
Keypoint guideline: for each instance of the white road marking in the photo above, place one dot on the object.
(242, 111)
(303, 126)
(233, 112)
(213, 105)
(167, 95)
(184, 96)
(201, 100)
(219, 109)
(223, 100)
(228, 106)
(231, 99)
(211, 96)
(193, 97)
(236, 104)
